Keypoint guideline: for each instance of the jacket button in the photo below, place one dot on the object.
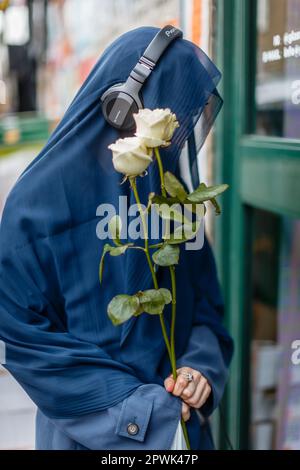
(132, 429)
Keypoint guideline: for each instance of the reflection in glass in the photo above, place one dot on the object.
(278, 68)
(275, 345)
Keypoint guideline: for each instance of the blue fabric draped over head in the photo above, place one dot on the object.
(52, 309)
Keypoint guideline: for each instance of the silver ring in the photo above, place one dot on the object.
(188, 376)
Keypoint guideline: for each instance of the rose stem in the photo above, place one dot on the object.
(161, 171)
(173, 283)
(155, 282)
(172, 271)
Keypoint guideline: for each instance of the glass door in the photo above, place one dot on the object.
(258, 154)
(277, 87)
(275, 274)
(275, 332)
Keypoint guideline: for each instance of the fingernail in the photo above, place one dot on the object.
(170, 386)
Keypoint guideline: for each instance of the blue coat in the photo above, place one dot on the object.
(154, 410)
(88, 378)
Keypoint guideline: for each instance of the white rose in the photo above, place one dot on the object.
(130, 156)
(156, 127)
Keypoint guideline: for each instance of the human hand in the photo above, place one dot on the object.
(194, 393)
(185, 411)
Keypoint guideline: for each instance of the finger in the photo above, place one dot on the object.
(188, 370)
(185, 412)
(181, 383)
(191, 387)
(185, 369)
(189, 391)
(204, 397)
(198, 392)
(169, 384)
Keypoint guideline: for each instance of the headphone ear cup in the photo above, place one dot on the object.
(118, 108)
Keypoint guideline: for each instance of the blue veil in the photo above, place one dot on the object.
(49, 252)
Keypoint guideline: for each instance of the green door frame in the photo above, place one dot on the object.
(263, 173)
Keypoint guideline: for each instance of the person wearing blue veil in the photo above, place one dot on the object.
(98, 386)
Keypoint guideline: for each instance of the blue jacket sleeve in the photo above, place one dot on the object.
(65, 376)
(146, 420)
(210, 347)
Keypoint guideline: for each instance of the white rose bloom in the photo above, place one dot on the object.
(130, 156)
(156, 127)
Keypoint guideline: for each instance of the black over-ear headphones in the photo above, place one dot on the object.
(122, 100)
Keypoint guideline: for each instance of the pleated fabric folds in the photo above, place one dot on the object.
(59, 341)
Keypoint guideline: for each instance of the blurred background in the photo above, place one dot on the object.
(48, 47)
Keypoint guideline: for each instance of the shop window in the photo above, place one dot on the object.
(278, 68)
(275, 345)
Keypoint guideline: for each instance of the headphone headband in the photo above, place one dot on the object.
(154, 51)
(121, 101)
(160, 42)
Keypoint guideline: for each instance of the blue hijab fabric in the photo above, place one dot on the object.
(61, 346)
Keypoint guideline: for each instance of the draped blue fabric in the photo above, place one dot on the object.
(61, 346)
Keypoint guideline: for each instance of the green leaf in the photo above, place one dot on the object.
(113, 251)
(150, 200)
(190, 206)
(183, 233)
(204, 193)
(168, 255)
(115, 227)
(166, 295)
(186, 232)
(195, 207)
(216, 206)
(122, 307)
(164, 200)
(119, 250)
(174, 187)
(106, 248)
(153, 301)
(213, 200)
(168, 212)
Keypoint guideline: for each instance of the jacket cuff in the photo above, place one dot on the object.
(134, 418)
(205, 355)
